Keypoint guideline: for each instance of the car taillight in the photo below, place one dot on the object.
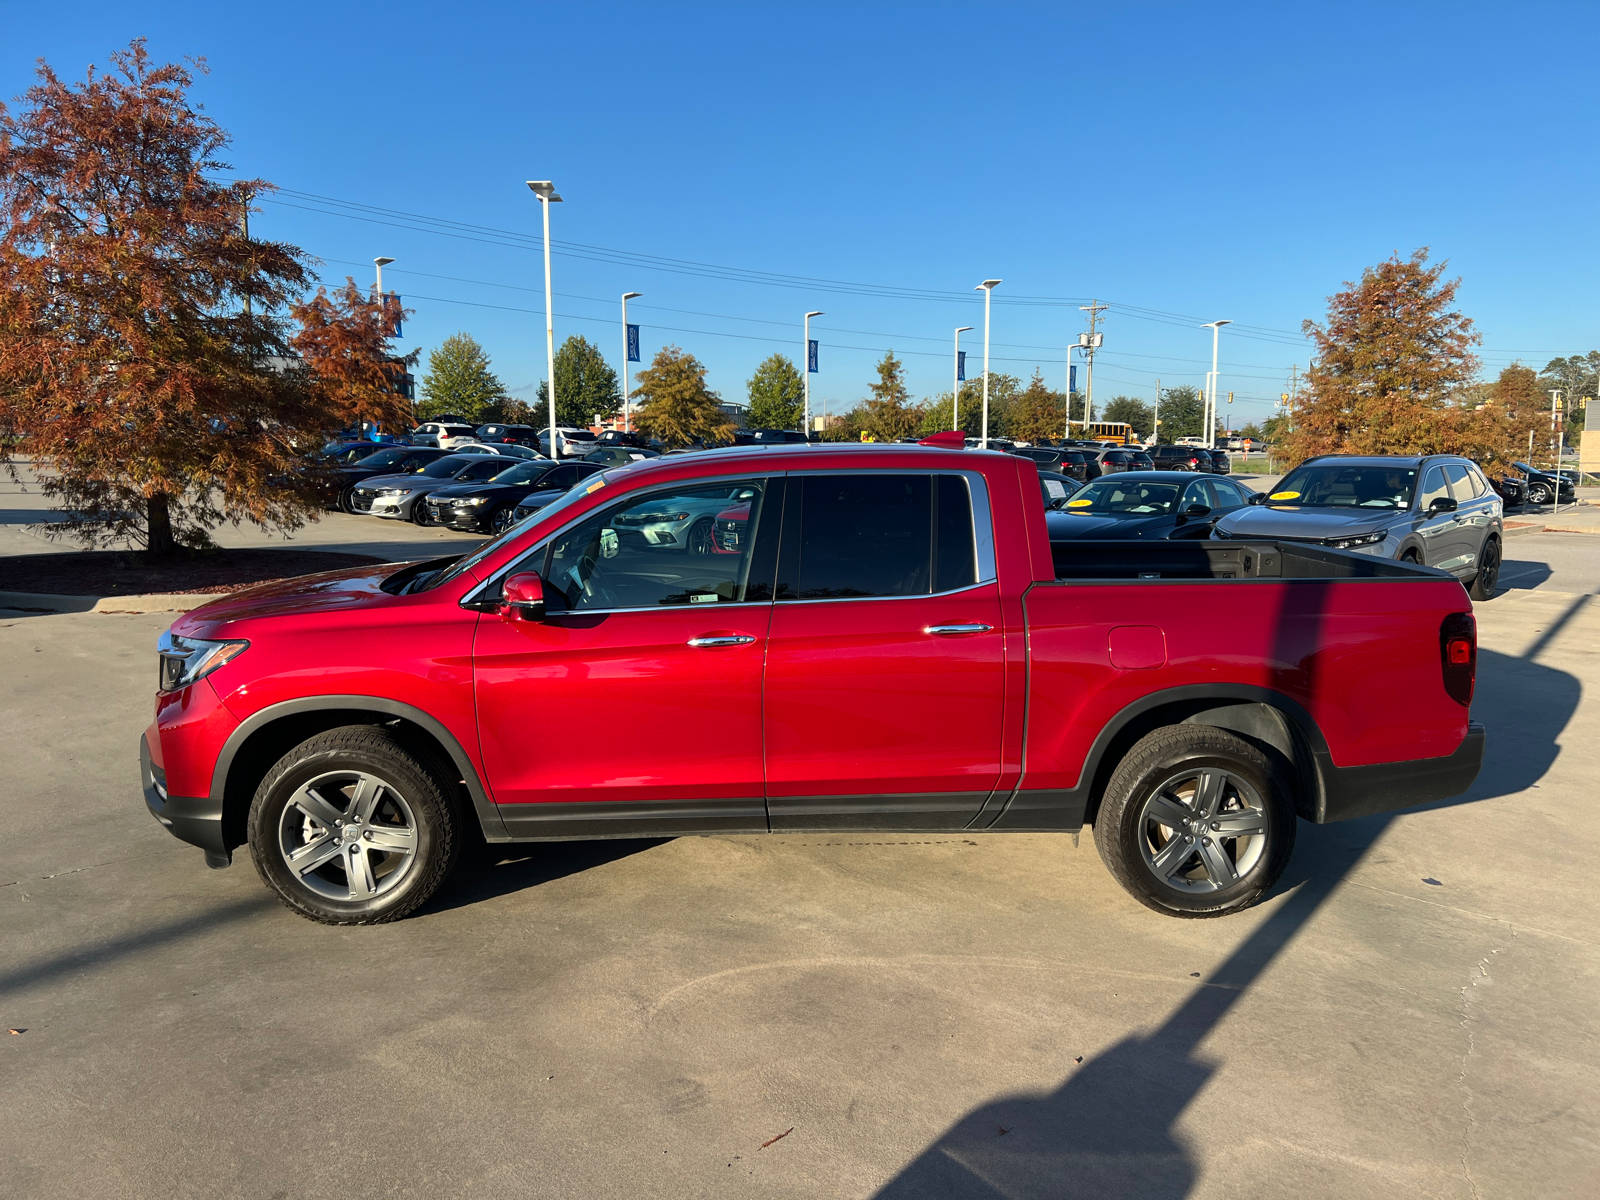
(1458, 655)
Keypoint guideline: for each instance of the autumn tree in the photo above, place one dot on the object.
(585, 385)
(459, 381)
(1393, 358)
(1133, 411)
(777, 395)
(677, 407)
(144, 345)
(343, 342)
(1038, 412)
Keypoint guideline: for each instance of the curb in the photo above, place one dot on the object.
(153, 602)
(1571, 529)
(1517, 530)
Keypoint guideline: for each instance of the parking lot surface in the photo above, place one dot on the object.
(1410, 1012)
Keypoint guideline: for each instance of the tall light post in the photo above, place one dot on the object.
(955, 390)
(1067, 435)
(381, 263)
(546, 191)
(1211, 394)
(805, 372)
(987, 287)
(627, 427)
(1555, 441)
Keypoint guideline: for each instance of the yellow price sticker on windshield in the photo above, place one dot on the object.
(600, 483)
(1079, 503)
(1284, 496)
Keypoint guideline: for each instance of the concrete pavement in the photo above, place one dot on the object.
(932, 1015)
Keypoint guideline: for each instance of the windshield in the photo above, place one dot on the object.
(446, 468)
(1345, 485)
(523, 472)
(1120, 496)
(384, 458)
(424, 583)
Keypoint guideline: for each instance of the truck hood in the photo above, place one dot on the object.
(1264, 521)
(355, 587)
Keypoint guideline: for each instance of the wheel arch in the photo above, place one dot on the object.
(266, 736)
(1269, 719)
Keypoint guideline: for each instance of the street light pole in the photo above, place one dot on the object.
(805, 373)
(627, 427)
(955, 387)
(380, 263)
(1067, 434)
(546, 191)
(987, 288)
(1211, 396)
(1555, 441)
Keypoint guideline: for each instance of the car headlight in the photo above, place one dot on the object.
(184, 659)
(474, 500)
(1366, 539)
(394, 491)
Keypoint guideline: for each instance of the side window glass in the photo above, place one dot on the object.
(686, 545)
(562, 477)
(492, 465)
(1460, 482)
(955, 555)
(860, 536)
(1198, 493)
(1433, 487)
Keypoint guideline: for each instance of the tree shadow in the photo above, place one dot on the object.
(1111, 1129)
(490, 870)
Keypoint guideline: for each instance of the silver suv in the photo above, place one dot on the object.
(1437, 510)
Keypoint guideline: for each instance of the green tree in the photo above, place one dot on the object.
(1577, 377)
(459, 381)
(1135, 412)
(777, 395)
(585, 385)
(677, 407)
(1394, 359)
(1036, 413)
(888, 413)
(1182, 413)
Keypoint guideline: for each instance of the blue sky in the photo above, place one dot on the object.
(1182, 163)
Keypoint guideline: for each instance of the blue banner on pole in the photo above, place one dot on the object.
(811, 357)
(393, 310)
(1072, 378)
(633, 343)
(961, 366)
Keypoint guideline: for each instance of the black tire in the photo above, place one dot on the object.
(698, 539)
(1252, 790)
(347, 501)
(1411, 556)
(419, 511)
(412, 808)
(1486, 581)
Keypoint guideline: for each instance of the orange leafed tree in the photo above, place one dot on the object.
(343, 340)
(1394, 360)
(146, 362)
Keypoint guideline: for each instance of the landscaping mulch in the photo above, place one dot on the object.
(138, 572)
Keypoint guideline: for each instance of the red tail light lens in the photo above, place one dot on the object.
(1458, 656)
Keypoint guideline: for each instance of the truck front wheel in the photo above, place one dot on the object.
(1196, 821)
(352, 828)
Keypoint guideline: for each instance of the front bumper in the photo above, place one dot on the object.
(193, 819)
(396, 508)
(466, 519)
(1383, 787)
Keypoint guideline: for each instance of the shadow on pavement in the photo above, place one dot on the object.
(1111, 1129)
(487, 872)
(1518, 574)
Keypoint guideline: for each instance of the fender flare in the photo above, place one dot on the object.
(488, 814)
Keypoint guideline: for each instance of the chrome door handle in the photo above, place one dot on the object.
(947, 630)
(735, 639)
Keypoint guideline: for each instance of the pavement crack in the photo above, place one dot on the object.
(1468, 993)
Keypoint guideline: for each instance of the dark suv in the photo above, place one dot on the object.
(1180, 458)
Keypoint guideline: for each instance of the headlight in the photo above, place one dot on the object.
(1367, 539)
(184, 660)
(394, 491)
(474, 500)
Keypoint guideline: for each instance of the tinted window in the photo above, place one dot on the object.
(1460, 483)
(955, 557)
(1199, 492)
(1433, 487)
(485, 468)
(1230, 495)
(862, 535)
(446, 468)
(523, 472)
(679, 546)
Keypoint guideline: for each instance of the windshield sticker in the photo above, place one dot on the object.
(1284, 496)
(1079, 503)
(599, 482)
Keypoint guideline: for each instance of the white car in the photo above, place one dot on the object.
(570, 442)
(444, 436)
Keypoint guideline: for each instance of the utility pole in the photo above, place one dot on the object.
(1089, 343)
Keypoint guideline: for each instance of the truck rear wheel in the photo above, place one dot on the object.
(1196, 821)
(352, 828)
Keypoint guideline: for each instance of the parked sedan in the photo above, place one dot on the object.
(570, 442)
(388, 460)
(678, 524)
(1146, 504)
(489, 506)
(1437, 510)
(397, 496)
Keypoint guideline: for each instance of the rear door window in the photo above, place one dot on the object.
(861, 536)
(1461, 483)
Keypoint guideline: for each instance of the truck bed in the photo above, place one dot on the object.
(1093, 560)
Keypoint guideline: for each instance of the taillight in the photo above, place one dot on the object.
(1458, 655)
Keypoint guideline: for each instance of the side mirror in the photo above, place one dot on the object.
(1257, 498)
(1441, 504)
(1197, 510)
(522, 597)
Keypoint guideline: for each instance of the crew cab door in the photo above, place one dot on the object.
(635, 703)
(883, 697)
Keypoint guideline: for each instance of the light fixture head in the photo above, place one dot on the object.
(966, 329)
(989, 284)
(1215, 324)
(631, 295)
(815, 314)
(545, 190)
(383, 262)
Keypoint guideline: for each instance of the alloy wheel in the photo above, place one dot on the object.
(1202, 830)
(348, 835)
(1489, 568)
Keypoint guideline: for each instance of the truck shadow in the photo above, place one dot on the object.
(486, 872)
(1111, 1129)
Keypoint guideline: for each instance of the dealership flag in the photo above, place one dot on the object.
(811, 357)
(961, 366)
(1072, 379)
(633, 343)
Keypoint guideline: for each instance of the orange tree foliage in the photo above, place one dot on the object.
(1393, 372)
(678, 407)
(145, 362)
(343, 340)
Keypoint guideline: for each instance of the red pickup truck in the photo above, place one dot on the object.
(890, 642)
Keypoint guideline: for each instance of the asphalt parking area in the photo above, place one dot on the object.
(935, 1015)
